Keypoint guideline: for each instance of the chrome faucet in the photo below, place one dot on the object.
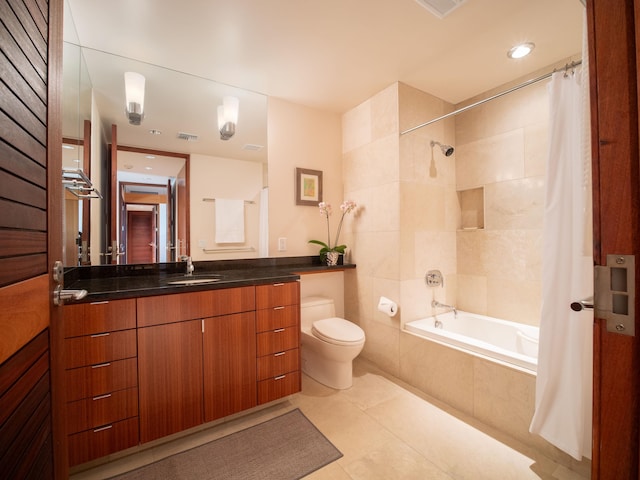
(437, 304)
(190, 266)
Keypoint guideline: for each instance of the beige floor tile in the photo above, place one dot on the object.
(385, 432)
(394, 460)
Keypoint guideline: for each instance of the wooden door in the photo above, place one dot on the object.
(229, 348)
(616, 193)
(31, 428)
(170, 378)
(141, 236)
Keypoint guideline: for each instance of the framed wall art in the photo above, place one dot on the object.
(308, 187)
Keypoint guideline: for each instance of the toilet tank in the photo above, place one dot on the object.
(316, 308)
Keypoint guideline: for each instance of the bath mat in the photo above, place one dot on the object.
(287, 447)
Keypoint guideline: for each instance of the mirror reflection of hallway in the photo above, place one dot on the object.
(141, 246)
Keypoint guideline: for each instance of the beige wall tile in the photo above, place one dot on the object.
(536, 149)
(356, 127)
(472, 293)
(514, 204)
(492, 159)
(385, 113)
(441, 372)
(504, 398)
(514, 300)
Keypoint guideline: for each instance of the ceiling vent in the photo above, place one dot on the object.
(441, 8)
(189, 137)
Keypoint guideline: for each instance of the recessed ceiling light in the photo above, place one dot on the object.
(521, 50)
(148, 168)
(150, 157)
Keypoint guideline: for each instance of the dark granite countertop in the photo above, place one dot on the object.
(110, 282)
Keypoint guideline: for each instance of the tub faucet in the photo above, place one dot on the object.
(437, 304)
(190, 266)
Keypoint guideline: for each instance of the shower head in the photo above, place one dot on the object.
(447, 150)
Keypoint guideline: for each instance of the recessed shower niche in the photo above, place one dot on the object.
(471, 208)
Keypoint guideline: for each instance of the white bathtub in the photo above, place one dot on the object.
(509, 342)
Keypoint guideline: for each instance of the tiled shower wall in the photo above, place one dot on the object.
(409, 220)
(501, 147)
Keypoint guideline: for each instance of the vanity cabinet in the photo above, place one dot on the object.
(278, 340)
(196, 358)
(101, 370)
(141, 369)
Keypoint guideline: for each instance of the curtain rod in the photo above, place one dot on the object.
(568, 66)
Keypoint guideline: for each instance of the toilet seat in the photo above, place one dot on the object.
(338, 331)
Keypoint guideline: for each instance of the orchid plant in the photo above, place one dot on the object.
(325, 211)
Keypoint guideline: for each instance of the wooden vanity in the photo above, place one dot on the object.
(139, 369)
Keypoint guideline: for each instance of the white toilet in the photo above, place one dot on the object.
(329, 343)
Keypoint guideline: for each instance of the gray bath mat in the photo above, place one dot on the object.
(287, 447)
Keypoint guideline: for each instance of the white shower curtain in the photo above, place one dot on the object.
(263, 240)
(564, 382)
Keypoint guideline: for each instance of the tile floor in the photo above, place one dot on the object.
(386, 430)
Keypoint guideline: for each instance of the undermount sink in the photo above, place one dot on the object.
(195, 280)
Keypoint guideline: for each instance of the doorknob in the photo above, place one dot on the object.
(60, 295)
(582, 304)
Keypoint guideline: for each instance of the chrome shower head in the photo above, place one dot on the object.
(447, 150)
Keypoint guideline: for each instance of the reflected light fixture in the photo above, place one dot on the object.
(134, 97)
(228, 117)
(521, 50)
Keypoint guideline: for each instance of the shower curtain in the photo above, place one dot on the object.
(564, 382)
(263, 240)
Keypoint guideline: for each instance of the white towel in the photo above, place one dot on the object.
(229, 220)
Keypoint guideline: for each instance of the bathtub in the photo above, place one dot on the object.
(500, 340)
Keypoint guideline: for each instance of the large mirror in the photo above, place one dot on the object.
(170, 186)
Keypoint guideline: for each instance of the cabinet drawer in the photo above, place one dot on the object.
(163, 309)
(99, 348)
(277, 294)
(277, 340)
(101, 410)
(98, 442)
(279, 363)
(277, 317)
(87, 318)
(103, 378)
(278, 387)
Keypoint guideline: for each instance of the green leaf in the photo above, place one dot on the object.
(318, 242)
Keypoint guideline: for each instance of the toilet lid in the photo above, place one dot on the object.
(338, 331)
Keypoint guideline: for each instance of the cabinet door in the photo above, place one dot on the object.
(170, 378)
(229, 364)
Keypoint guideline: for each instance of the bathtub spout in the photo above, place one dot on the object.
(437, 304)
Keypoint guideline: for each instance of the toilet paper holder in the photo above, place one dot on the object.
(387, 306)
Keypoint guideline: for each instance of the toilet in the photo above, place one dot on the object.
(329, 343)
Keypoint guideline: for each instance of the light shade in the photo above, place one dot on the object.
(521, 50)
(134, 97)
(228, 117)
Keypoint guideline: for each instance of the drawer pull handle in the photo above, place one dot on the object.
(101, 365)
(278, 330)
(278, 308)
(102, 397)
(96, 335)
(279, 354)
(101, 429)
(280, 377)
(99, 303)
(278, 284)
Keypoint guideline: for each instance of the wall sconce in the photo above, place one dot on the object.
(228, 117)
(134, 97)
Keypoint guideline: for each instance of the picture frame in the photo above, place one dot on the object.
(308, 187)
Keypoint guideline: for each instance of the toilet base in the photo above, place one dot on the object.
(338, 375)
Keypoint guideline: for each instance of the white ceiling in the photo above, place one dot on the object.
(334, 54)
